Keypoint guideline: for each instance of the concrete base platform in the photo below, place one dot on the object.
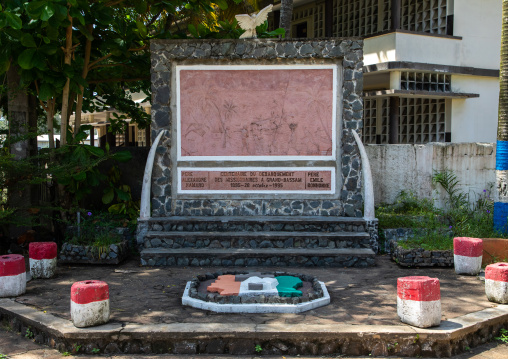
(451, 337)
(361, 319)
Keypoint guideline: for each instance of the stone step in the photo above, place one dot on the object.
(256, 224)
(319, 257)
(275, 239)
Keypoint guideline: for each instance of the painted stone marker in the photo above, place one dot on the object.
(467, 255)
(419, 301)
(12, 275)
(496, 282)
(89, 303)
(42, 259)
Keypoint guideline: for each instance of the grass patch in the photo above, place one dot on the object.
(433, 240)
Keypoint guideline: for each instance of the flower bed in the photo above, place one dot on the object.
(419, 257)
(82, 254)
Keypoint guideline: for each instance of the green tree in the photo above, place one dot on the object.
(71, 52)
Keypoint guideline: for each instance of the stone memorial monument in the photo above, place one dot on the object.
(255, 159)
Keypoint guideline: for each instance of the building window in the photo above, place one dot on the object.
(375, 121)
(424, 16)
(120, 139)
(359, 17)
(319, 20)
(141, 137)
(425, 81)
(422, 120)
(309, 21)
(368, 17)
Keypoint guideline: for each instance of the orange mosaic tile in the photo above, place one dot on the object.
(225, 285)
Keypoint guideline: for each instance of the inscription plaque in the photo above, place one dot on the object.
(264, 113)
(249, 180)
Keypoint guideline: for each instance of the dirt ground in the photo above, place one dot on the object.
(153, 294)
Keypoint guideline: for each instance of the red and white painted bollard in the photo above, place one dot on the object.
(467, 255)
(12, 275)
(89, 303)
(419, 301)
(496, 282)
(42, 259)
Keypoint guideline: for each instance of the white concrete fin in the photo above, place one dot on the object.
(368, 204)
(144, 212)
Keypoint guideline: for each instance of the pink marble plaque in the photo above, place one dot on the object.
(257, 181)
(259, 112)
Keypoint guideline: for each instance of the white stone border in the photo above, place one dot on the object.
(255, 307)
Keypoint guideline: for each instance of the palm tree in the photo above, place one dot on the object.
(501, 204)
(286, 13)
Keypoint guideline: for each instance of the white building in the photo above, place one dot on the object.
(100, 121)
(431, 67)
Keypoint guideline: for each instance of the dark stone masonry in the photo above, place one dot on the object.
(112, 254)
(248, 227)
(347, 53)
(419, 257)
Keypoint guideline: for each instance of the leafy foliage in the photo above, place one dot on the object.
(125, 204)
(96, 229)
(465, 215)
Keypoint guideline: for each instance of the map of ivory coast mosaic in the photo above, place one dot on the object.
(244, 112)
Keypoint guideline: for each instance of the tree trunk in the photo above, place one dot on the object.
(84, 74)
(50, 117)
(65, 94)
(501, 203)
(286, 13)
(22, 119)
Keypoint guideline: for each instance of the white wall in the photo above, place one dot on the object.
(410, 167)
(379, 49)
(429, 49)
(477, 22)
(475, 119)
(413, 48)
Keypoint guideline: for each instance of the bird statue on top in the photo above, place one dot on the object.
(249, 22)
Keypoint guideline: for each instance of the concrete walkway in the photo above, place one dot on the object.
(152, 295)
